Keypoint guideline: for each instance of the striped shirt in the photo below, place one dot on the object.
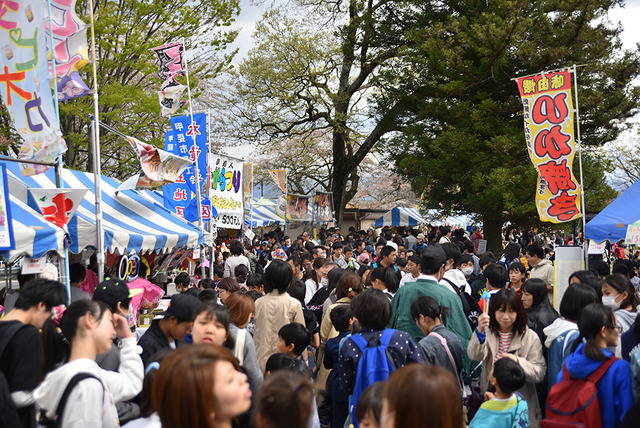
(503, 344)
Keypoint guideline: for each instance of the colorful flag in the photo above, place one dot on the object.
(297, 207)
(280, 177)
(227, 190)
(169, 66)
(71, 48)
(26, 85)
(323, 207)
(180, 197)
(58, 205)
(548, 127)
(171, 99)
(170, 63)
(158, 167)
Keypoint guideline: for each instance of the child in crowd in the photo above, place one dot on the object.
(517, 275)
(505, 409)
(275, 310)
(369, 406)
(496, 278)
(440, 347)
(256, 282)
(342, 320)
(293, 339)
(285, 400)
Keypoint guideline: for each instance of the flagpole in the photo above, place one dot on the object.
(95, 148)
(196, 173)
(579, 141)
(59, 164)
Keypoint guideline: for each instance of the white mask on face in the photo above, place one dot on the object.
(467, 271)
(324, 282)
(610, 301)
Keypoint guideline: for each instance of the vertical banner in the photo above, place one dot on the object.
(7, 241)
(549, 131)
(297, 207)
(26, 85)
(247, 179)
(280, 178)
(323, 207)
(71, 48)
(227, 190)
(170, 64)
(180, 197)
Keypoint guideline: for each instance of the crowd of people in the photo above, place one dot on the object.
(408, 328)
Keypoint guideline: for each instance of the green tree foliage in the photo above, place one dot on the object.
(126, 30)
(462, 142)
(315, 74)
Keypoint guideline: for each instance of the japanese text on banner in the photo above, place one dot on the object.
(549, 131)
(180, 197)
(226, 190)
(26, 88)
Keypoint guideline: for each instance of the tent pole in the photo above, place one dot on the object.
(579, 141)
(59, 165)
(95, 145)
(196, 172)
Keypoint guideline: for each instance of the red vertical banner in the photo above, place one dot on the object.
(549, 131)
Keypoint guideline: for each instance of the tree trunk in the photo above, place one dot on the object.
(492, 227)
(338, 188)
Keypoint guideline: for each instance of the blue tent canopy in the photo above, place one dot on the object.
(131, 220)
(400, 217)
(611, 224)
(33, 235)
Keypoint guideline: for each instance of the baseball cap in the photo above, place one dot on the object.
(369, 248)
(182, 306)
(363, 258)
(112, 291)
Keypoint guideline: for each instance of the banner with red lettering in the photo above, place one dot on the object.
(549, 131)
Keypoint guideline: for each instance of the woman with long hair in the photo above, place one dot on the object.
(503, 333)
(87, 329)
(200, 386)
(621, 297)
(315, 278)
(404, 405)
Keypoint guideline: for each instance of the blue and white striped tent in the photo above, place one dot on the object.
(265, 215)
(33, 235)
(400, 216)
(437, 218)
(130, 220)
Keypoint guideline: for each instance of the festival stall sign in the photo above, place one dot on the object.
(633, 234)
(226, 192)
(26, 85)
(180, 196)
(297, 207)
(58, 205)
(549, 131)
(7, 241)
(70, 47)
(170, 65)
(323, 207)
(158, 166)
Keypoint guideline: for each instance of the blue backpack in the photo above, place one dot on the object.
(374, 365)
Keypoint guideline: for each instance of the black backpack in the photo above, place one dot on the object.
(57, 419)
(8, 412)
(469, 306)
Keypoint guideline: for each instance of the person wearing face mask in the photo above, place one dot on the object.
(466, 266)
(453, 277)
(117, 296)
(619, 295)
(432, 266)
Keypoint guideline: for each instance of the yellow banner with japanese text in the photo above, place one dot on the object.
(549, 131)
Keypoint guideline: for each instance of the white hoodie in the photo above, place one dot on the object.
(89, 404)
(457, 277)
(557, 329)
